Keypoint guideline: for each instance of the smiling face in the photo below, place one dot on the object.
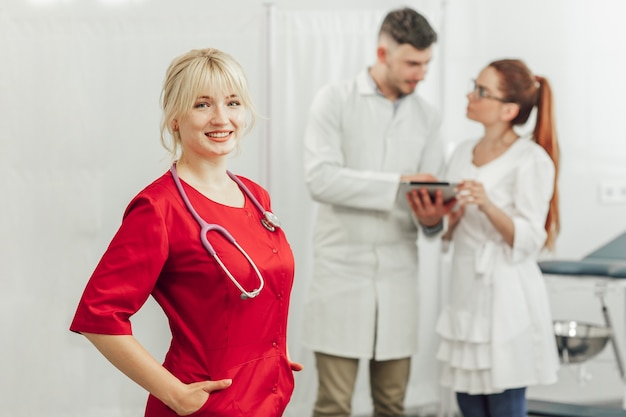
(207, 107)
(213, 127)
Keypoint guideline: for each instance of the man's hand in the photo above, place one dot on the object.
(428, 212)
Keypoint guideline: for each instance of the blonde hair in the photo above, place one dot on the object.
(191, 74)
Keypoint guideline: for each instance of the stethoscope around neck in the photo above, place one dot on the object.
(269, 221)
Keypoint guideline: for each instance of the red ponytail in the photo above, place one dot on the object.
(545, 135)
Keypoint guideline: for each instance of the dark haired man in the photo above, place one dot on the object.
(363, 138)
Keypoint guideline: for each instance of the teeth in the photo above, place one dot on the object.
(218, 135)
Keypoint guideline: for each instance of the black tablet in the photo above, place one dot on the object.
(448, 189)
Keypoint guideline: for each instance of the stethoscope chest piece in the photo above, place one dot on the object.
(270, 221)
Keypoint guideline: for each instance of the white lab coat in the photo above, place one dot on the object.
(362, 302)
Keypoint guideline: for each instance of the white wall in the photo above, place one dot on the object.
(79, 116)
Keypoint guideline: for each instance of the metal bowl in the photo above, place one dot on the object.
(578, 342)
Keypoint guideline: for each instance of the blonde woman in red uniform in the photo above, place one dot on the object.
(204, 244)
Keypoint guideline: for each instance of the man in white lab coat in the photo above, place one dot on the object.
(363, 138)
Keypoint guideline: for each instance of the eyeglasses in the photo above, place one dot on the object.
(479, 92)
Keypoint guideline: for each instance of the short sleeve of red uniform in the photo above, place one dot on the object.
(127, 272)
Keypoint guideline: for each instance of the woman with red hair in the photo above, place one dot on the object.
(497, 336)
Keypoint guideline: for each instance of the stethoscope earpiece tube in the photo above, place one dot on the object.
(269, 219)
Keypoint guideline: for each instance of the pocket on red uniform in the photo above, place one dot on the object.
(156, 408)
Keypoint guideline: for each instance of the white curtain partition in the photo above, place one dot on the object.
(314, 48)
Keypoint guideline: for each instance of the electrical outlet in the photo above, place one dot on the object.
(613, 192)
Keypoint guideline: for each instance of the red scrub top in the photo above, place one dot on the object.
(215, 334)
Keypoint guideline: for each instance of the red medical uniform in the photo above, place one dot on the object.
(215, 334)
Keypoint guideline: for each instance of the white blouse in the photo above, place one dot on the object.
(497, 328)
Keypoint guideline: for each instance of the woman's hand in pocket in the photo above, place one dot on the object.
(196, 394)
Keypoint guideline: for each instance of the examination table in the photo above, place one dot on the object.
(606, 263)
